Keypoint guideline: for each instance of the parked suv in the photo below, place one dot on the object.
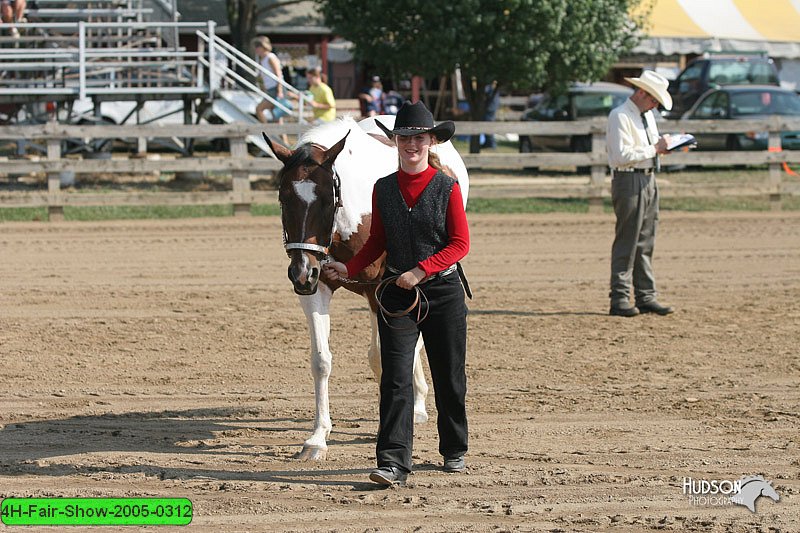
(714, 71)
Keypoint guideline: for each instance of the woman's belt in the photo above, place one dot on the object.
(438, 275)
(447, 271)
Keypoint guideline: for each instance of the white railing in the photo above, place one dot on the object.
(81, 67)
(239, 60)
(85, 66)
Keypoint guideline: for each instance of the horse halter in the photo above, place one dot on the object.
(324, 250)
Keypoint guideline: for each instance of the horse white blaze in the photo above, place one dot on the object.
(306, 191)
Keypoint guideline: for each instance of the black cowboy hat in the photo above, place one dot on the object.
(415, 118)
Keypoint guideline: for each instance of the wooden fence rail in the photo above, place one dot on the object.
(240, 164)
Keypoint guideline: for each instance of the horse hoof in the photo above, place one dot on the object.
(312, 454)
(420, 417)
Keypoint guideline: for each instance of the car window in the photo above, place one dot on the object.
(692, 73)
(551, 107)
(596, 104)
(787, 104)
(689, 80)
(763, 73)
(715, 105)
(741, 72)
(765, 103)
(751, 103)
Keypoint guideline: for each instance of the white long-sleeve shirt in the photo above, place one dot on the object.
(628, 145)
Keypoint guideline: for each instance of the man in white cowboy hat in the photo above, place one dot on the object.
(634, 147)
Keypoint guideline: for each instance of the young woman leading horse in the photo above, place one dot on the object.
(325, 190)
(418, 221)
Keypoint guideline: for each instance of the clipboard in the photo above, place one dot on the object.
(679, 140)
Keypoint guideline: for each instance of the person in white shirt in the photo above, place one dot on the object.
(634, 147)
(268, 60)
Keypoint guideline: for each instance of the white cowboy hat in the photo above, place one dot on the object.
(655, 85)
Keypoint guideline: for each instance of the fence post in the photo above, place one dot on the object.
(774, 145)
(241, 178)
(598, 174)
(55, 203)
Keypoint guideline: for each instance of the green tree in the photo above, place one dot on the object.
(243, 16)
(519, 44)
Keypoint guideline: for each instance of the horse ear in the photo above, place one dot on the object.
(334, 151)
(280, 151)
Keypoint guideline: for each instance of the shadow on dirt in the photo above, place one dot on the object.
(65, 447)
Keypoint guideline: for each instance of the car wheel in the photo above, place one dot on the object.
(526, 147)
(733, 143)
(582, 143)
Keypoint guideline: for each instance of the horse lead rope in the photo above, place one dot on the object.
(420, 299)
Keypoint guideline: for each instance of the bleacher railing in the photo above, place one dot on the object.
(234, 61)
(83, 65)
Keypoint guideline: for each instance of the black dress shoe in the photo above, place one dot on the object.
(619, 310)
(655, 307)
(454, 464)
(388, 475)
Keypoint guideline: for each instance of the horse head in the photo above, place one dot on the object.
(770, 492)
(309, 195)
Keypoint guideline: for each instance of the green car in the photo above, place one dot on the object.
(744, 102)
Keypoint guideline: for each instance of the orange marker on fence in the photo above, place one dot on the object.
(786, 167)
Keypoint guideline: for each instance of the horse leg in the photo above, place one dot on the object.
(316, 308)
(420, 386)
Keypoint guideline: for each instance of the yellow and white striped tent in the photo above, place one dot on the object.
(697, 26)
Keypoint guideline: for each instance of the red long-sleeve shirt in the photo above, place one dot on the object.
(411, 187)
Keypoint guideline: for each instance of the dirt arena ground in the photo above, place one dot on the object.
(170, 358)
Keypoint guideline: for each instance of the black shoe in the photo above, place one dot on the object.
(654, 307)
(388, 475)
(454, 464)
(619, 310)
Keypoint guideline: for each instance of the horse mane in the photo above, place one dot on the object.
(299, 156)
(327, 133)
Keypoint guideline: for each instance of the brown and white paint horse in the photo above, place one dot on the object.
(325, 192)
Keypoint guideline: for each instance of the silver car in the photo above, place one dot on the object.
(582, 101)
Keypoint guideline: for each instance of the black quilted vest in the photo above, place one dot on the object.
(413, 235)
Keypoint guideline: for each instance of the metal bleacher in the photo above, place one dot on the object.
(70, 52)
(71, 49)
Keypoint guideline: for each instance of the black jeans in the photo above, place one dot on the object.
(444, 331)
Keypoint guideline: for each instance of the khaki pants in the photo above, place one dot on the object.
(635, 199)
